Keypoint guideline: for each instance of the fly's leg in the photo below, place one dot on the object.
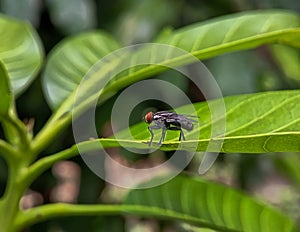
(150, 128)
(177, 127)
(181, 135)
(152, 135)
(163, 135)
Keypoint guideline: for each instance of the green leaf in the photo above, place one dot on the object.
(6, 95)
(255, 123)
(69, 62)
(231, 33)
(208, 204)
(187, 199)
(237, 32)
(215, 37)
(20, 51)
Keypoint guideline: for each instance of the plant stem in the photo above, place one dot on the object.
(52, 128)
(16, 131)
(46, 212)
(43, 164)
(9, 204)
(7, 151)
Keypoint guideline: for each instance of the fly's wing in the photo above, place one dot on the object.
(174, 117)
(186, 121)
(189, 117)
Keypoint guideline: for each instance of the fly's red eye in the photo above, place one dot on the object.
(149, 117)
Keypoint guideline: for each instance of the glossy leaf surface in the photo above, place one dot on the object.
(20, 51)
(6, 95)
(73, 58)
(255, 123)
(208, 204)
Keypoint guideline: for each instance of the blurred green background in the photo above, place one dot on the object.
(273, 177)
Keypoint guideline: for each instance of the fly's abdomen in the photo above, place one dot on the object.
(187, 125)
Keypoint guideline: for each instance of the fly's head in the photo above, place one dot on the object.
(149, 117)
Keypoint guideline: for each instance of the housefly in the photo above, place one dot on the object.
(166, 120)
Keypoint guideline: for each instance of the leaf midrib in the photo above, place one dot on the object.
(108, 141)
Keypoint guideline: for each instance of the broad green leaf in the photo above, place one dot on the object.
(208, 204)
(20, 51)
(237, 32)
(225, 34)
(218, 36)
(187, 199)
(6, 95)
(71, 60)
(255, 123)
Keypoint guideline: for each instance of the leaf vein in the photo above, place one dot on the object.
(233, 28)
(262, 116)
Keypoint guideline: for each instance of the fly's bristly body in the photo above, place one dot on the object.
(166, 120)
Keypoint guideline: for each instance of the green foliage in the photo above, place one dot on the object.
(79, 53)
(208, 204)
(231, 33)
(5, 91)
(185, 198)
(255, 123)
(20, 51)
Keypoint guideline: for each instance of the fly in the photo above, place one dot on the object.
(169, 121)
